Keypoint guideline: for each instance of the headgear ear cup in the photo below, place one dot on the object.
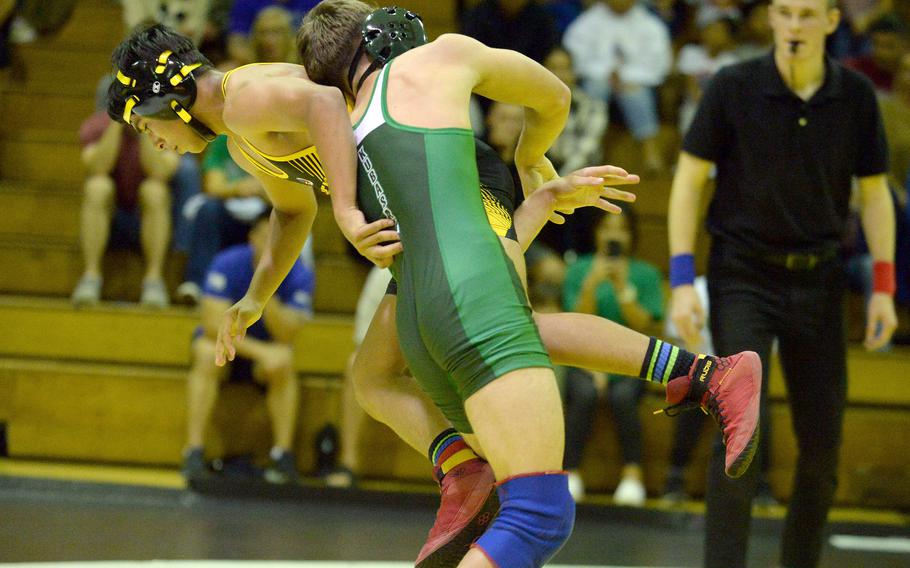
(163, 89)
(387, 33)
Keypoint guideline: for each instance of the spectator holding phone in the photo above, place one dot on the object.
(612, 283)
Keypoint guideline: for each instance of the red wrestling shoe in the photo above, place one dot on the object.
(729, 390)
(469, 504)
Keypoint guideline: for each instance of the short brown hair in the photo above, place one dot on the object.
(328, 38)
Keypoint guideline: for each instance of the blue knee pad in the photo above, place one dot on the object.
(535, 519)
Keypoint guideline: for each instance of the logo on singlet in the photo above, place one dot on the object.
(156, 87)
(374, 181)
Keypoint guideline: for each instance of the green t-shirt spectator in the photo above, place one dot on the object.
(217, 157)
(644, 276)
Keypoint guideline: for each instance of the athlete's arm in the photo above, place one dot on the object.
(510, 77)
(283, 104)
(685, 197)
(582, 188)
(878, 225)
(293, 211)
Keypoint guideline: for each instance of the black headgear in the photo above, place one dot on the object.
(387, 33)
(164, 88)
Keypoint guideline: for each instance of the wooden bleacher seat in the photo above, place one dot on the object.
(51, 329)
(137, 415)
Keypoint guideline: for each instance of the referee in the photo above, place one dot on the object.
(788, 134)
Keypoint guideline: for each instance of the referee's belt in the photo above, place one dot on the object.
(800, 261)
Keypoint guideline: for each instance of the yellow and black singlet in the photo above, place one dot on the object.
(302, 166)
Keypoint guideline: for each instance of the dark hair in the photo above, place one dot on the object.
(146, 44)
(328, 38)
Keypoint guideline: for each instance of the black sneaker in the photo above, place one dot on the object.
(194, 464)
(282, 469)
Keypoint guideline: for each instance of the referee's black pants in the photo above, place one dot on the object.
(751, 303)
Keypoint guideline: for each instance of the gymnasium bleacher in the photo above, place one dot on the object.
(107, 384)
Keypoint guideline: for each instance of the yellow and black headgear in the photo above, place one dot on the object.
(164, 88)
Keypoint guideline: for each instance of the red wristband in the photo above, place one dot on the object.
(883, 280)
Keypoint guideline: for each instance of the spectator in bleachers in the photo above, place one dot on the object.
(889, 43)
(580, 143)
(185, 182)
(240, 24)
(614, 284)
(233, 200)
(125, 172)
(697, 63)
(272, 37)
(520, 25)
(755, 37)
(265, 356)
(621, 50)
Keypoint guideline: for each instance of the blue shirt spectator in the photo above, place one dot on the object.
(243, 12)
(232, 270)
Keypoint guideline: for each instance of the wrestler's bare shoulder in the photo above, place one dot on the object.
(263, 89)
(447, 47)
(449, 55)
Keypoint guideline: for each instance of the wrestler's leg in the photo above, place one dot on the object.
(385, 392)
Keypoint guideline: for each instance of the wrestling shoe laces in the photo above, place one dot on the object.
(729, 390)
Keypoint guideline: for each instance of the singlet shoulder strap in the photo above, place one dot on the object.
(229, 73)
(373, 118)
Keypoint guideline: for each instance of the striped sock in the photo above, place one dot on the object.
(447, 451)
(664, 361)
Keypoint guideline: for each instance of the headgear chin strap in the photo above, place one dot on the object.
(163, 89)
(386, 33)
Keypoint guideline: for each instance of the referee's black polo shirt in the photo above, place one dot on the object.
(784, 165)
